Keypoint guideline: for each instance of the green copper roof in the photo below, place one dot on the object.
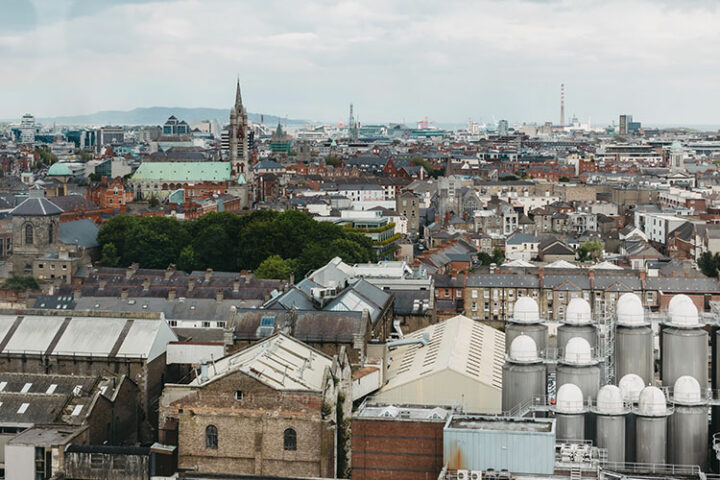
(59, 169)
(184, 171)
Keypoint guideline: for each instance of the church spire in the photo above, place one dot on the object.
(238, 96)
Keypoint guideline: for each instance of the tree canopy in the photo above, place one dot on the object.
(709, 264)
(228, 242)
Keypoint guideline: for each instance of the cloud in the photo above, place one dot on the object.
(450, 60)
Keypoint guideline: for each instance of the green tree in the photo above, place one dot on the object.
(709, 264)
(186, 260)
(19, 283)
(153, 202)
(564, 179)
(275, 267)
(332, 160)
(109, 257)
(590, 250)
(210, 248)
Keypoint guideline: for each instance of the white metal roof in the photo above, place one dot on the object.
(460, 344)
(281, 362)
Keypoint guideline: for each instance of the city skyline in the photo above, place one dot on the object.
(404, 61)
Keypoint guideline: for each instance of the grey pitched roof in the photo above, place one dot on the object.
(502, 280)
(683, 284)
(79, 232)
(34, 206)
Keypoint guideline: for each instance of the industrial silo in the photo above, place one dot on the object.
(688, 425)
(569, 414)
(578, 323)
(633, 340)
(651, 417)
(524, 374)
(630, 386)
(579, 367)
(683, 344)
(526, 321)
(610, 415)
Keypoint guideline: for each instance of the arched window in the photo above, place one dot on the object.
(28, 234)
(50, 234)
(211, 437)
(290, 439)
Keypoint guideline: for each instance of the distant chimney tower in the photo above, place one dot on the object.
(562, 104)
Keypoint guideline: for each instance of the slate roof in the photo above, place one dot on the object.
(79, 232)
(34, 206)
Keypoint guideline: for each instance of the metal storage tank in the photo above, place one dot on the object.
(526, 321)
(570, 413)
(610, 415)
(578, 323)
(524, 374)
(683, 344)
(688, 425)
(633, 340)
(579, 367)
(651, 427)
(630, 386)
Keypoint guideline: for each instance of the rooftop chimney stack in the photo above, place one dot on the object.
(169, 272)
(171, 294)
(146, 284)
(208, 274)
(124, 293)
(219, 295)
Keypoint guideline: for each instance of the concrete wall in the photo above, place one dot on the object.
(19, 462)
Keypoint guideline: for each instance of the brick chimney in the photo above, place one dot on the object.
(591, 279)
(101, 284)
(208, 274)
(169, 271)
(541, 276)
(130, 271)
(77, 293)
(642, 279)
(219, 295)
(236, 285)
(171, 294)
(124, 293)
(146, 284)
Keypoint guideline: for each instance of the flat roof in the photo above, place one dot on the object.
(506, 424)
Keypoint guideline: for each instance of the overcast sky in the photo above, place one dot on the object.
(395, 60)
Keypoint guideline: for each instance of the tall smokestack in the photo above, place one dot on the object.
(562, 104)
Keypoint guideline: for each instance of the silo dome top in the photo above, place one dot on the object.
(523, 349)
(569, 399)
(526, 311)
(652, 402)
(578, 312)
(687, 390)
(682, 311)
(610, 401)
(578, 351)
(631, 385)
(630, 310)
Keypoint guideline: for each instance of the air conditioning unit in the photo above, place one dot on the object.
(475, 474)
(463, 475)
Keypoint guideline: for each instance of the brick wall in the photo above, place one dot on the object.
(397, 449)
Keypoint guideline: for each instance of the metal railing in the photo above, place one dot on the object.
(652, 468)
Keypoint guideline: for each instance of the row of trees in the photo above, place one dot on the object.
(274, 244)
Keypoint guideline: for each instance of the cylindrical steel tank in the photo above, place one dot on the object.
(565, 332)
(524, 374)
(683, 344)
(580, 368)
(688, 425)
(537, 331)
(578, 322)
(651, 427)
(610, 414)
(630, 386)
(526, 321)
(569, 412)
(633, 340)
(684, 352)
(634, 352)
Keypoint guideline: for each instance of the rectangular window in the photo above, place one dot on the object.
(96, 461)
(458, 293)
(206, 324)
(474, 294)
(238, 395)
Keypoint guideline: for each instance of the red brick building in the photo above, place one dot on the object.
(398, 442)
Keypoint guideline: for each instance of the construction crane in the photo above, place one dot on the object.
(425, 123)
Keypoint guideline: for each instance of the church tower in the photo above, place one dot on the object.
(238, 138)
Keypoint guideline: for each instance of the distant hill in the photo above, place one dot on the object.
(158, 116)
